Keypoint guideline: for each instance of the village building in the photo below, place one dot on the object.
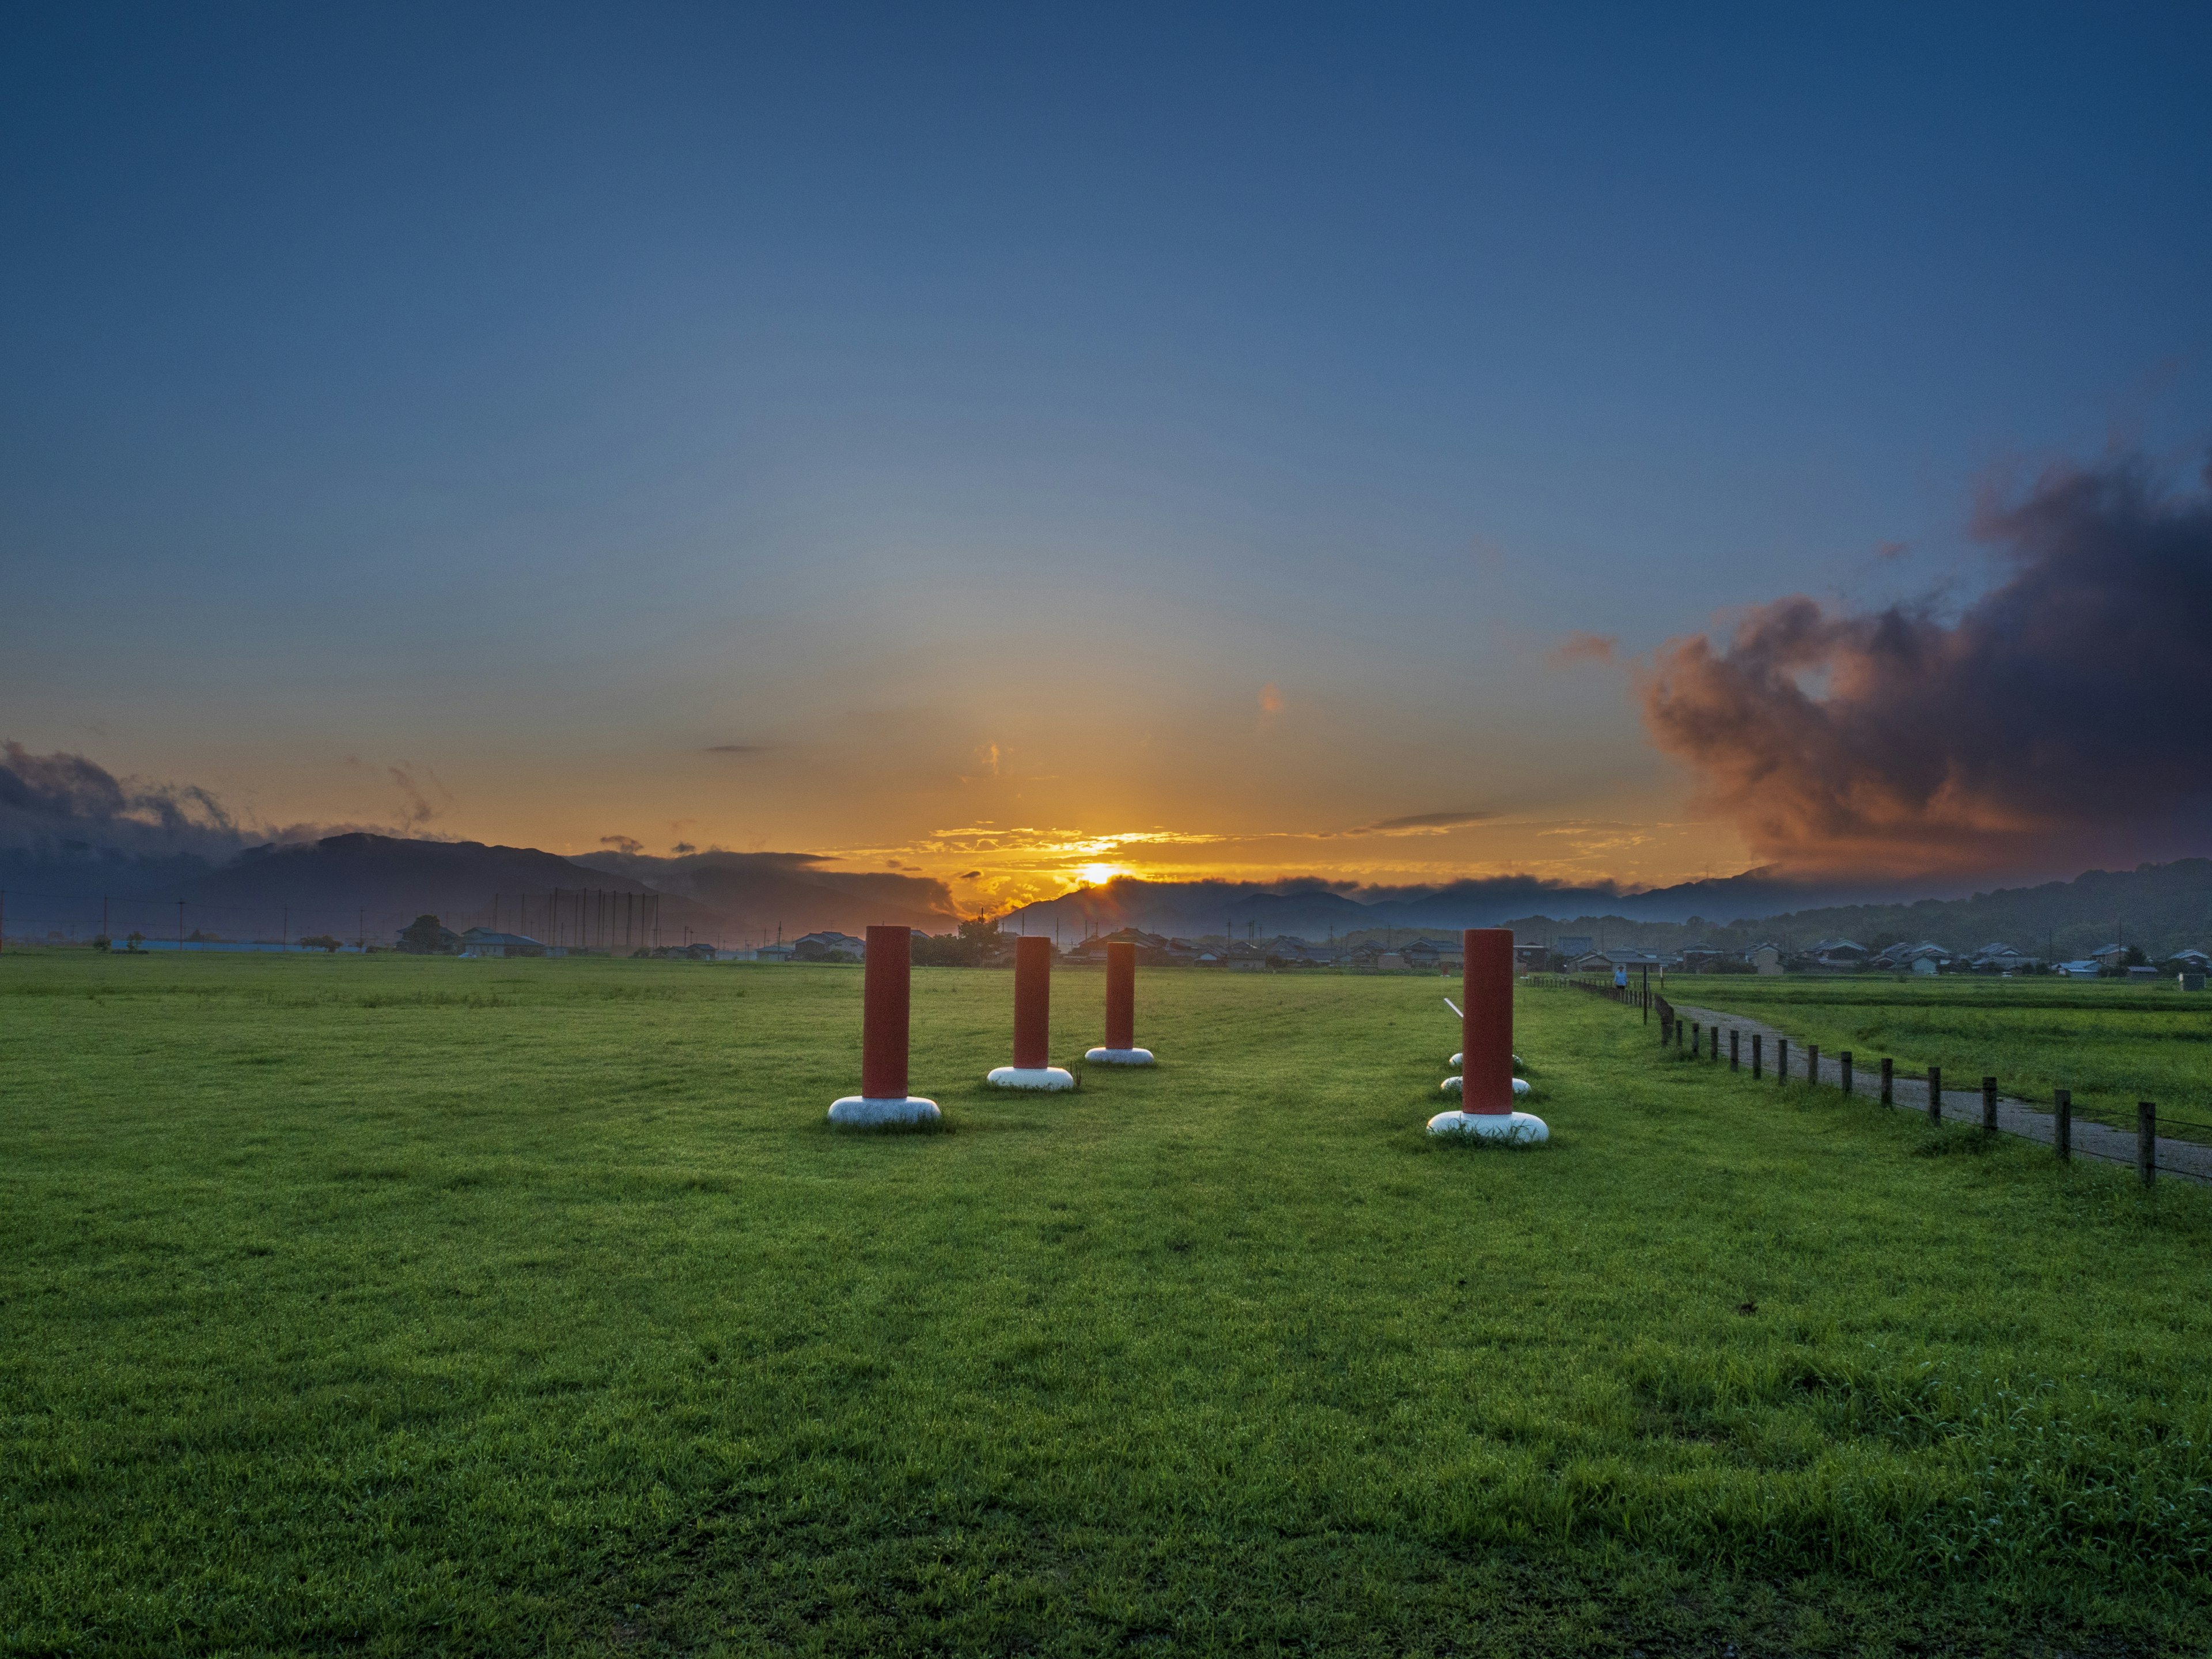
(485, 942)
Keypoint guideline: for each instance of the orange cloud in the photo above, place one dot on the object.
(1584, 647)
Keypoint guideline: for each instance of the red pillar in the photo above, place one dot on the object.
(885, 999)
(1486, 1024)
(1032, 1002)
(1121, 995)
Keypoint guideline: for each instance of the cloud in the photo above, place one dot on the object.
(623, 843)
(1893, 549)
(739, 748)
(1422, 824)
(1583, 647)
(415, 804)
(48, 799)
(2053, 723)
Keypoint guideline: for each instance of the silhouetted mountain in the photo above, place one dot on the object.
(358, 884)
(1315, 910)
(755, 893)
(2164, 907)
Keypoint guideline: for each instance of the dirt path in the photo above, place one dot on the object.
(2185, 1159)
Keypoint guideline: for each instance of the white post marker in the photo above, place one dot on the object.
(1032, 1021)
(1120, 1047)
(1487, 1092)
(885, 1003)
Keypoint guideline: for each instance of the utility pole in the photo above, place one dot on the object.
(181, 926)
(360, 926)
(284, 934)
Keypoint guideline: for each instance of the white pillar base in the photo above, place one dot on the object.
(1519, 1127)
(890, 1109)
(1031, 1077)
(1119, 1056)
(1452, 1085)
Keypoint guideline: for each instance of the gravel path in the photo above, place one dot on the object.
(2186, 1159)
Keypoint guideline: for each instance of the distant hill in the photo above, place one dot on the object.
(358, 884)
(2164, 907)
(1315, 910)
(755, 893)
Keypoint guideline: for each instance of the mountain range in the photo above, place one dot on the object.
(368, 885)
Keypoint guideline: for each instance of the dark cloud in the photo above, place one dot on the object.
(2055, 722)
(623, 843)
(1419, 821)
(739, 748)
(68, 825)
(46, 800)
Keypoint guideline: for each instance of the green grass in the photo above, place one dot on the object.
(2112, 1044)
(407, 1306)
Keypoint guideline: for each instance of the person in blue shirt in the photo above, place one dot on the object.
(1620, 977)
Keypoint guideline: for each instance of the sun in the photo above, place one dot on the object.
(1098, 875)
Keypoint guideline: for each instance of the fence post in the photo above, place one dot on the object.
(1677, 1036)
(2145, 1141)
(1813, 1066)
(1888, 1082)
(1756, 1041)
(1735, 1049)
(1989, 1105)
(1781, 1059)
(1934, 1094)
(1844, 1063)
(1697, 1035)
(2062, 1108)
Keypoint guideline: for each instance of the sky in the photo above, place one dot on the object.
(1021, 444)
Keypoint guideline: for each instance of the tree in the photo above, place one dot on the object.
(424, 936)
(319, 942)
(976, 943)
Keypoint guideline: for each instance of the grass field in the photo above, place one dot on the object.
(2112, 1044)
(407, 1306)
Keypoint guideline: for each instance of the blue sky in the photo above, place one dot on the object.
(1058, 426)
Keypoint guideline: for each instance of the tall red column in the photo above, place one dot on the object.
(1121, 995)
(1032, 1002)
(886, 998)
(1486, 1021)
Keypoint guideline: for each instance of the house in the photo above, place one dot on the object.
(2087, 968)
(2111, 956)
(1434, 954)
(2189, 961)
(1700, 958)
(484, 942)
(830, 946)
(1840, 953)
(1925, 957)
(1764, 959)
(1998, 957)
